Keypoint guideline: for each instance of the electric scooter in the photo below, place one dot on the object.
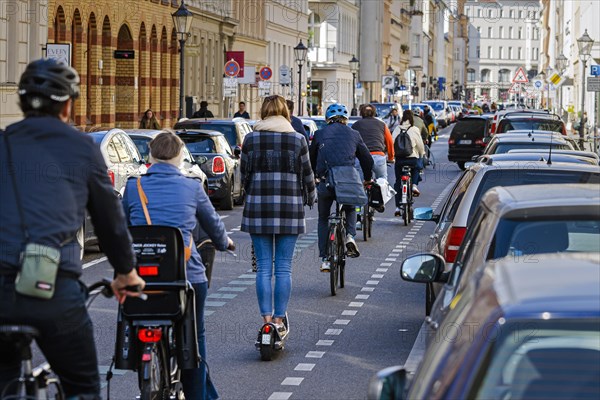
(269, 341)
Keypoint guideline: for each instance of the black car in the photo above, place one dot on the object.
(467, 139)
(219, 162)
(531, 121)
(234, 130)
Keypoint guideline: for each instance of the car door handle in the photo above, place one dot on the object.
(432, 324)
(434, 236)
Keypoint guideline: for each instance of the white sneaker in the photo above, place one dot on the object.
(398, 212)
(359, 226)
(325, 266)
(351, 247)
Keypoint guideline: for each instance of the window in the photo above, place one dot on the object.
(490, 32)
(501, 33)
(510, 32)
(121, 149)
(470, 75)
(501, 52)
(510, 53)
(489, 53)
(512, 13)
(501, 13)
(416, 46)
(113, 157)
(504, 76)
(536, 54)
(520, 54)
(479, 12)
(479, 30)
(520, 33)
(520, 14)
(478, 52)
(536, 34)
(485, 75)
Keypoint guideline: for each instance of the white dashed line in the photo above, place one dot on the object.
(315, 354)
(280, 396)
(304, 367)
(357, 304)
(292, 381)
(362, 296)
(391, 259)
(372, 282)
(94, 262)
(341, 322)
(367, 289)
(377, 276)
(349, 312)
(385, 264)
(381, 270)
(325, 342)
(333, 332)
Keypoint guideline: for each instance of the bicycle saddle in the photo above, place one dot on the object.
(18, 330)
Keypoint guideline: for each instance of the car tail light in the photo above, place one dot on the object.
(451, 141)
(564, 130)
(111, 175)
(480, 142)
(455, 238)
(148, 270)
(218, 165)
(150, 335)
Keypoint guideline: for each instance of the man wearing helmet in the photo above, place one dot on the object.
(337, 145)
(51, 173)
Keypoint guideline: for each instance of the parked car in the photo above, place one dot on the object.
(123, 161)
(564, 156)
(522, 222)
(579, 153)
(457, 213)
(502, 112)
(441, 111)
(320, 121)
(190, 169)
(519, 331)
(383, 109)
(310, 126)
(219, 162)
(530, 121)
(467, 139)
(505, 143)
(234, 130)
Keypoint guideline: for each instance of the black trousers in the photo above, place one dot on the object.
(415, 164)
(66, 335)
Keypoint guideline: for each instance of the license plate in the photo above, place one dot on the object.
(465, 142)
(266, 338)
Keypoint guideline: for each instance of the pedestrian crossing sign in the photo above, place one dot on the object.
(520, 76)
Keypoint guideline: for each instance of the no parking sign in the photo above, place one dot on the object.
(265, 73)
(232, 68)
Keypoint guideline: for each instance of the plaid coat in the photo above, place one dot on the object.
(278, 180)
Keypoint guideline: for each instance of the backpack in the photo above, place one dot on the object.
(403, 146)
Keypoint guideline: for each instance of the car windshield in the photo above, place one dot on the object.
(199, 145)
(228, 130)
(142, 146)
(437, 106)
(383, 109)
(471, 126)
(513, 177)
(523, 237)
(542, 360)
(505, 147)
(530, 124)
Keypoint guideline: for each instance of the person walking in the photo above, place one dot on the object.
(297, 122)
(279, 182)
(241, 112)
(149, 120)
(203, 112)
(46, 213)
(413, 159)
(174, 200)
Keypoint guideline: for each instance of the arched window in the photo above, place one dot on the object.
(485, 75)
(470, 75)
(504, 75)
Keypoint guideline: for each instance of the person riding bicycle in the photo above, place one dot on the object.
(45, 194)
(174, 200)
(393, 119)
(412, 159)
(419, 123)
(337, 145)
(429, 120)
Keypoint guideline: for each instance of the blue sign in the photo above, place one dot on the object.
(595, 70)
(358, 85)
(402, 87)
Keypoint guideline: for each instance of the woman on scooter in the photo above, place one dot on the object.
(174, 200)
(279, 181)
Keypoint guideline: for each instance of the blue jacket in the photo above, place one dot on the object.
(299, 127)
(337, 144)
(175, 200)
(60, 173)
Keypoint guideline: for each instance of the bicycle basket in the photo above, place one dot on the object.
(161, 263)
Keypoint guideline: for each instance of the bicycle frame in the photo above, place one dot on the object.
(406, 179)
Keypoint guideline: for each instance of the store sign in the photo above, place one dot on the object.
(59, 51)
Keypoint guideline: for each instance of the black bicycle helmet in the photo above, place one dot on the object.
(50, 78)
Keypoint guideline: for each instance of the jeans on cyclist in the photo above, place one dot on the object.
(274, 255)
(66, 335)
(196, 382)
(379, 166)
(415, 164)
(325, 201)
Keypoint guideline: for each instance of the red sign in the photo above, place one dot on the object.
(232, 68)
(266, 73)
(238, 56)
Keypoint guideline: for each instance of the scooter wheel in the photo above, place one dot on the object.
(267, 350)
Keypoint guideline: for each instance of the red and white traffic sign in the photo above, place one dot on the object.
(514, 88)
(265, 73)
(232, 68)
(520, 76)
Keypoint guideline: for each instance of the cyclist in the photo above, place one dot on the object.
(393, 119)
(45, 204)
(336, 145)
(419, 123)
(412, 160)
(279, 181)
(430, 123)
(174, 200)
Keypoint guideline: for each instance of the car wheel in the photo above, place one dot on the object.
(227, 202)
(461, 165)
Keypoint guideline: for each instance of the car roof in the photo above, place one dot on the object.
(101, 134)
(198, 132)
(554, 282)
(211, 121)
(538, 156)
(150, 133)
(535, 165)
(502, 138)
(582, 153)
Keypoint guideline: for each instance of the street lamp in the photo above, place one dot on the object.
(182, 19)
(585, 50)
(561, 62)
(300, 54)
(542, 76)
(354, 65)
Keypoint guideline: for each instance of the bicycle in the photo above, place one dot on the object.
(37, 383)
(429, 158)
(336, 248)
(406, 199)
(367, 213)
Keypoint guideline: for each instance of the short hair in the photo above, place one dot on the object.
(240, 103)
(273, 106)
(407, 115)
(367, 110)
(204, 103)
(165, 146)
(290, 105)
(34, 105)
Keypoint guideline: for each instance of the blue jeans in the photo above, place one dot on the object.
(325, 200)
(277, 250)
(196, 382)
(379, 167)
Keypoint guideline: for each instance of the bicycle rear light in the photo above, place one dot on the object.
(148, 270)
(150, 335)
(404, 177)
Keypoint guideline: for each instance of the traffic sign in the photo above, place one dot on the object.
(402, 87)
(388, 82)
(555, 78)
(264, 88)
(538, 84)
(409, 75)
(230, 86)
(265, 73)
(520, 76)
(595, 70)
(285, 77)
(232, 68)
(514, 88)
(593, 84)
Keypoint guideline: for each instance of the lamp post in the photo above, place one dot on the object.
(542, 76)
(561, 64)
(182, 19)
(300, 54)
(354, 65)
(423, 87)
(585, 50)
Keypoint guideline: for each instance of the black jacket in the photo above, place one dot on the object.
(338, 144)
(203, 113)
(60, 173)
(299, 127)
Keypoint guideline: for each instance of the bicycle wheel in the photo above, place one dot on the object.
(405, 214)
(370, 218)
(341, 264)
(333, 257)
(366, 223)
(152, 375)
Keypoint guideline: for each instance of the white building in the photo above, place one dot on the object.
(503, 37)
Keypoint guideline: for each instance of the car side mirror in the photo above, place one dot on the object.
(201, 160)
(422, 268)
(425, 214)
(237, 151)
(389, 384)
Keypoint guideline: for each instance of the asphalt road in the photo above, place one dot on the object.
(336, 344)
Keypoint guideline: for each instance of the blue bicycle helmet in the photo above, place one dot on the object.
(336, 110)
